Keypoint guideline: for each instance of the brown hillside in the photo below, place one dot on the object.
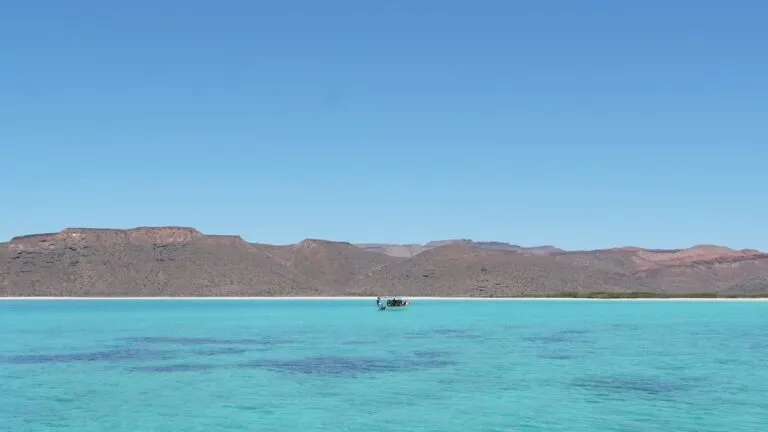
(731, 274)
(144, 262)
(630, 260)
(330, 265)
(178, 261)
(462, 270)
(699, 269)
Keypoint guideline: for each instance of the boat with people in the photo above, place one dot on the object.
(392, 303)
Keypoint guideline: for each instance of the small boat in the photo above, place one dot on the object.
(392, 303)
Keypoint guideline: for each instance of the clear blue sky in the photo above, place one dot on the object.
(583, 124)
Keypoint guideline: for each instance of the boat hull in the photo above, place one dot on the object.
(393, 308)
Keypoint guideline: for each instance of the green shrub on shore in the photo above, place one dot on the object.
(649, 295)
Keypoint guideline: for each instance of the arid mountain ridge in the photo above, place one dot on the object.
(179, 261)
(409, 250)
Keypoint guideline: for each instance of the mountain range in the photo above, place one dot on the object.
(179, 261)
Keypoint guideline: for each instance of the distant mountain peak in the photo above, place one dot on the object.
(314, 243)
(408, 250)
(439, 243)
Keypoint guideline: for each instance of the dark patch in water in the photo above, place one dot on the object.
(251, 408)
(206, 341)
(219, 351)
(113, 355)
(623, 326)
(560, 337)
(431, 354)
(646, 386)
(550, 339)
(173, 368)
(705, 332)
(345, 366)
(327, 366)
(358, 342)
(416, 335)
(576, 331)
(447, 332)
(465, 336)
(557, 356)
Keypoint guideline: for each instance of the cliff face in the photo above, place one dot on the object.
(168, 261)
(178, 261)
(85, 237)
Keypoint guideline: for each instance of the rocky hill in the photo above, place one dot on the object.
(177, 261)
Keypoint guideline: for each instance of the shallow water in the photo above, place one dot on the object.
(343, 366)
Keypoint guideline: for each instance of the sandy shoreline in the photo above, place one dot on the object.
(343, 298)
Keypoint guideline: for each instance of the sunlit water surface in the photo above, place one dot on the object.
(188, 366)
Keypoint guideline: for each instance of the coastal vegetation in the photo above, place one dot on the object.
(651, 295)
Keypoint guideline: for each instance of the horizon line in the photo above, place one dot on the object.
(364, 243)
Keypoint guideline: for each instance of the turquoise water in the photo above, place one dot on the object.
(343, 366)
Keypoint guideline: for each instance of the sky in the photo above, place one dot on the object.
(588, 124)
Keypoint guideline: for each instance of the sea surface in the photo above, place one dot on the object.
(443, 366)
